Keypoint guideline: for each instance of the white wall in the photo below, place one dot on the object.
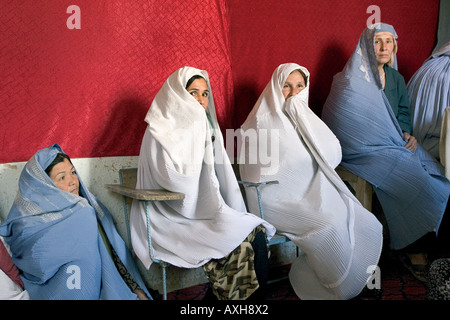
(94, 172)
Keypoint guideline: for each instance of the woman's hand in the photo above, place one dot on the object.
(411, 145)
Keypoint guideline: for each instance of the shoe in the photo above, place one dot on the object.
(419, 271)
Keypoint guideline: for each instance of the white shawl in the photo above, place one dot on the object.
(178, 154)
(311, 205)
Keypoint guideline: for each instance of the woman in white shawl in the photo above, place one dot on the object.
(183, 151)
(339, 239)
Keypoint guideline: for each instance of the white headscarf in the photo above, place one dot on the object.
(178, 154)
(311, 205)
(273, 112)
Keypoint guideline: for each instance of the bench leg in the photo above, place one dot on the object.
(364, 193)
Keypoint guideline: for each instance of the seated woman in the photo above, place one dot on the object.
(368, 110)
(64, 240)
(429, 93)
(183, 151)
(10, 283)
(340, 240)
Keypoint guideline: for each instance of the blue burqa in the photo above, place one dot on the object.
(55, 240)
(410, 186)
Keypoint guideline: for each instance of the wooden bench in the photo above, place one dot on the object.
(127, 188)
(444, 142)
(363, 190)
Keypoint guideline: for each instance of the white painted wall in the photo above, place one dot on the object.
(94, 172)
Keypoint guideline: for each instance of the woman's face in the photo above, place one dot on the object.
(64, 177)
(384, 45)
(293, 85)
(199, 90)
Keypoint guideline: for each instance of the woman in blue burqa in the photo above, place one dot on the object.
(429, 93)
(368, 110)
(63, 240)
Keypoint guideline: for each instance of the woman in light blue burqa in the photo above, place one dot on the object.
(429, 93)
(64, 240)
(368, 111)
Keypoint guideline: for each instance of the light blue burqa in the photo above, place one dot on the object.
(55, 241)
(429, 93)
(411, 186)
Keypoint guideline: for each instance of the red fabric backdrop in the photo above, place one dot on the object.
(89, 89)
(319, 35)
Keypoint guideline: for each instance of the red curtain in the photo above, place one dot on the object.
(89, 89)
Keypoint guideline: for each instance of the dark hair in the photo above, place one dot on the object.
(303, 75)
(59, 158)
(197, 76)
